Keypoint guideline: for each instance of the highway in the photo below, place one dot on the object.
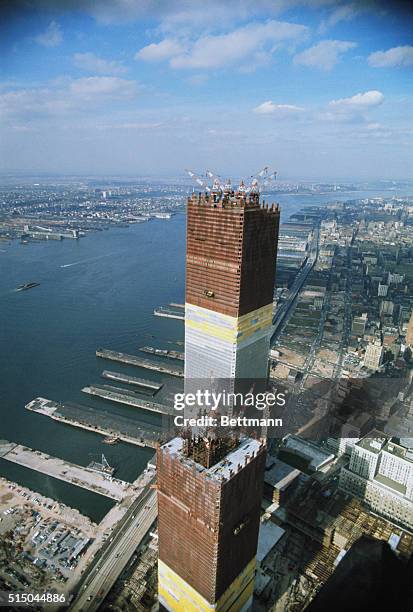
(347, 318)
(283, 313)
(116, 553)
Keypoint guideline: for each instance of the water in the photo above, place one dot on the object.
(49, 334)
(99, 291)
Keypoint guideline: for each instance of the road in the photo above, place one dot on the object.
(347, 318)
(116, 553)
(283, 313)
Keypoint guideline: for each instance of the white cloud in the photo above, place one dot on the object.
(345, 12)
(397, 56)
(129, 126)
(65, 97)
(325, 55)
(103, 85)
(177, 13)
(244, 46)
(51, 37)
(92, 63)
(268, 108)
(373, 127)
(198, 79)
(360, 101)
(157, 52)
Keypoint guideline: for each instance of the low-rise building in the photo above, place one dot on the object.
(380, 473)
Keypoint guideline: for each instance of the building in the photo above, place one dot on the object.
(359, 325)
(374, 355)
(210, 485)
(280, 480)
(395, 278)
(304, 454)
(356, 427)
(380, 473)
(386, 307)
(230, 273)
(208, 523)
(409, 333)
(382, 290)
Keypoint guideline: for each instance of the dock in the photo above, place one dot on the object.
(132, 380)
(122, 396)
(139, 362)
(163, 352)
(64, 470)
(170, 313)
(106, 424)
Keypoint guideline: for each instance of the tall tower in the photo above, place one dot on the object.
(209, 490)
(208, 523)
(230, 272)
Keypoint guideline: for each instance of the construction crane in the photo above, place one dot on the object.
(219, 185)
(255, 185)
(102, 466)
(198, 180)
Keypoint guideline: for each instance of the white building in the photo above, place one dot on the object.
(382, 290)
(374, 355)
(380, 473)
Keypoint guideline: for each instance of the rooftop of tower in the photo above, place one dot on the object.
(226, 468)
(222, 194)
(231, 200)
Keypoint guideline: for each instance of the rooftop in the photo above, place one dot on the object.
(224, 469)
(373, 442)
(279, 474)
(316, 456)
(231, 200)
(268, 537)
(376, 441)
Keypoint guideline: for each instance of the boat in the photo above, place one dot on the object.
(101, 466)
(154, 351)
(27, 286)
(111, 440)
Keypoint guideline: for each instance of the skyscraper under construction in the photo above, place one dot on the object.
(230, 270)
(209, 489)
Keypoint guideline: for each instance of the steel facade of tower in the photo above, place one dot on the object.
(230, 270)
(209, 497)
(208, 523)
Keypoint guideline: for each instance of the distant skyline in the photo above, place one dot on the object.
(316, 89)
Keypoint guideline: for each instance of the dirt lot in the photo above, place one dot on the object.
(290, 357)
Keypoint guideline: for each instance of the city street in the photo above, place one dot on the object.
(122, 544)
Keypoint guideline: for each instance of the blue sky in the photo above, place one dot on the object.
(317, 89)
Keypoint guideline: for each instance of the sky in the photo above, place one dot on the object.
(316, 89)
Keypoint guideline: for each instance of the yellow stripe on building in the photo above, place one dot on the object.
(178, 596)
(226, 328)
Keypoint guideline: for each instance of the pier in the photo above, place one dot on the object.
(132, 380)
(164, 311)
(64, 470)
(138, 361)
(122, 396)
(110, 426)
